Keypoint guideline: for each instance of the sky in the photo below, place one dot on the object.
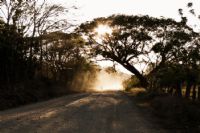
(90, 9)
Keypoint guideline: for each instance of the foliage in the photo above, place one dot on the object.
(38, 59)
(182, 69)
(138, 40)
(176, 112)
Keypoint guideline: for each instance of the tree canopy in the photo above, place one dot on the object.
(138, 40)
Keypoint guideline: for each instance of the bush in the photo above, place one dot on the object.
(30, 91)
(176, 111)
(149, 95)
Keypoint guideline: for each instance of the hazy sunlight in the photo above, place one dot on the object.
(112, 86)
(108, 82)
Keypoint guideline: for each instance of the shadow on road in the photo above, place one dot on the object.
(110, 112)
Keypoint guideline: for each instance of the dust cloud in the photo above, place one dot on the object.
(99, 80)
(106, 81)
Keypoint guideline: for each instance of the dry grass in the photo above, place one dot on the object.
(171, 111)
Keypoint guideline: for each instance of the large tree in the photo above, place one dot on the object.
(136, 40)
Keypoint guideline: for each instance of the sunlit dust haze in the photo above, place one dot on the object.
(109, 81)
(98, 79)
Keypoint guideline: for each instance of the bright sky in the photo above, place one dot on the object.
(89, 9)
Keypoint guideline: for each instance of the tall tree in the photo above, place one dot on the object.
(136, 40)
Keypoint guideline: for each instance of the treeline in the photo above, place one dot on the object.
(180, 75)
(38, 60)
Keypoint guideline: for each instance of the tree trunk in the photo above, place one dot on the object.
(194, 92)
(199, 92)
(188, 89)
(132, 69)
(171, 91)
(41, 54)
(179, 90)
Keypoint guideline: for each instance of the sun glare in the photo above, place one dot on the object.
(103, 29)
(108, 82)
(113, 86)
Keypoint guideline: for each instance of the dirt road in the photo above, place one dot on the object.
(111, 112)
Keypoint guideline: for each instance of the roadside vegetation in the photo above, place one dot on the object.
(38, 59)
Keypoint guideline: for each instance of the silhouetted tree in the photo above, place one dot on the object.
(137, 40)
(62, 54)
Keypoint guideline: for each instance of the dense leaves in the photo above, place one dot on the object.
(139, 40)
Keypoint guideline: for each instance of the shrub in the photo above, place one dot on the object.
(177, 111)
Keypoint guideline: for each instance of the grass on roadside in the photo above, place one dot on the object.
(173, 112)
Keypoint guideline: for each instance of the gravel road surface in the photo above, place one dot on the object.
(109, 112)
